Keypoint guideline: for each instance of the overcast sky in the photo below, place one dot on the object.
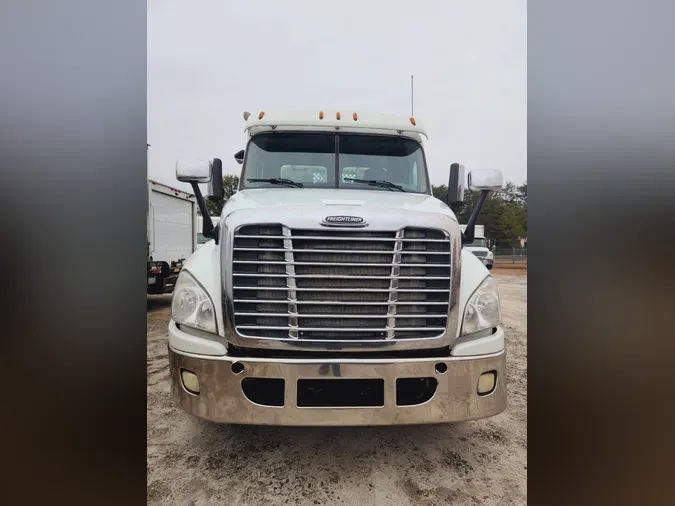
(210, 60)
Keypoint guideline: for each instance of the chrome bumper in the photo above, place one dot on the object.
(221, 398)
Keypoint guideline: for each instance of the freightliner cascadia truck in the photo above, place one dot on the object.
(336, 290)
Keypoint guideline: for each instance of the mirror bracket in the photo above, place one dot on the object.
(207, 224)
(469, 231)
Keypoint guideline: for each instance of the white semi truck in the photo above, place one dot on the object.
(336, 290)
(171, 228)
(479, 246)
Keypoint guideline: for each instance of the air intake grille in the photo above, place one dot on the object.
(340, 284)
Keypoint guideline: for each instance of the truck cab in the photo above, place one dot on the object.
(335, 290)
(479, 246)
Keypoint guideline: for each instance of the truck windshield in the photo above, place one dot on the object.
(353, 161)
(478, 242)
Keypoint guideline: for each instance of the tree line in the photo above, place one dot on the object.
(504, 212)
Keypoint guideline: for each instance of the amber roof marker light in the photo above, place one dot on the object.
(321, 115)
(337, 115)
(412, 120)
(355, 116)
(260, 116)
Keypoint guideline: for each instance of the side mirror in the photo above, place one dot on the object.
(215, 187)
(480, 180)
(193, 171)
(456, 184)
(239, 156)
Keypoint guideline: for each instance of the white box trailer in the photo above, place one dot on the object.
(172, 234)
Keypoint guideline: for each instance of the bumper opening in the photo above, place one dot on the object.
(340, 393)
(415, 391)
(264, 391)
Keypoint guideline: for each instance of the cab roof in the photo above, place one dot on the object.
(333, 120)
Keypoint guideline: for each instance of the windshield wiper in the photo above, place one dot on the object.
(277, 180)
(377, 182)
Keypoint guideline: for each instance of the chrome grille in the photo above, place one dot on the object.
(340, 284)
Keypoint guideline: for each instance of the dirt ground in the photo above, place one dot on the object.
(483, 462)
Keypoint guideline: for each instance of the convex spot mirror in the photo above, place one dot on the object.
(485, 180)
(193, 171)
(455, 184)
(215, 187)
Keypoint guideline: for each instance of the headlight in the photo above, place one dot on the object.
(482, 311)
(191, 305)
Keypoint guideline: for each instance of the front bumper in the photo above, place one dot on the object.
(222, 399)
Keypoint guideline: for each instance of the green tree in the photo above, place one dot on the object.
(512, 225)
(440, 192)
(509, 193)
(230, 187)
(522, 191)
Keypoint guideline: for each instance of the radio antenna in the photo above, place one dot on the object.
(412, 96)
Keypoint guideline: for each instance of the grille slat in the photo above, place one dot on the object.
(359, 252)
(335, 276)
(329, 302)
(343, 264)
(338, 289)
(337, 329)
(339, 238)
(340, 284)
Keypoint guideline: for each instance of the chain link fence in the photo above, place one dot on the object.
(510, 255)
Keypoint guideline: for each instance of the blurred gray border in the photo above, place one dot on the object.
(72, 212)
(601, 228)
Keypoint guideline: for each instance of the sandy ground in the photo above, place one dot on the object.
(483, 462)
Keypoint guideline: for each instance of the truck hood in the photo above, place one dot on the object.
(338, 200)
